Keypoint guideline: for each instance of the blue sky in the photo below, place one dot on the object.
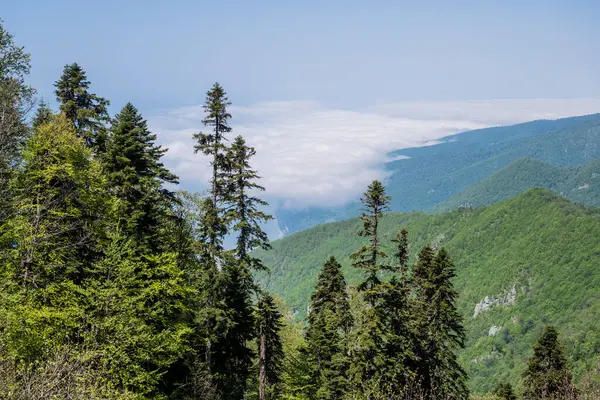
(323, 89)
(164, 54)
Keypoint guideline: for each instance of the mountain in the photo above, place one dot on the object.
(578, 184)
(521, 263)
(433, 174)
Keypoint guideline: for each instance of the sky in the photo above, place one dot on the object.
(323, 89)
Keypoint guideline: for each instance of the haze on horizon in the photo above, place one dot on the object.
(324, 91)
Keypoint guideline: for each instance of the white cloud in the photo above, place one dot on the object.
(312, 155)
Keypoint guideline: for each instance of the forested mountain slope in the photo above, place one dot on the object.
(578, 184)
(435, 173)
(521, 263)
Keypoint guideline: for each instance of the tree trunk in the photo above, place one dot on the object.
(263, 373)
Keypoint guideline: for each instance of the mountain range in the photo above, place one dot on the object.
(432, 178)
(531, 260)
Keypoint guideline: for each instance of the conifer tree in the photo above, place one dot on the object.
(400, 343)
(268, 325)
(547, 374)
(244, 205)
(370, 362)
(238, 285)
(375, 202)
(214, 309)
(329, 323)
(438, 327)
(86, 111)
(136, 176)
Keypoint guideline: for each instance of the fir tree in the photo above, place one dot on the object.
(244, 205)
(375, 202)
(86, 111)
(401, 340)
(439, 327)
(216, 314)
(547, 374)
(269, 324)
(137, 176)
(238, 285)
(370, 361)
(329, 323)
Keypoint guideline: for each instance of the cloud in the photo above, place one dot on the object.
(311, 155)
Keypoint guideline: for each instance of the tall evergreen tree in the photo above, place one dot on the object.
(375, 202)
(216, 314)
(136, 175)
(86, 111)
(329, 323)
(268, 325)
(242, 210)
(244, 205)
(439, 327)
(371, 369)
(401, 340)
(547, 374)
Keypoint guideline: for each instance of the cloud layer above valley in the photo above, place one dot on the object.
(311, 155)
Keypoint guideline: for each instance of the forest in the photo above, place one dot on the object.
(115, 284)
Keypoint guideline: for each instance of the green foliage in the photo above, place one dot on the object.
(16, 100)
(329, 323)
(136, 176)
(504, 391)
(268, 327)
(134, 312)
(86, 111)
(439, 328)
(537, 242)
(578, 184)
(547, 374)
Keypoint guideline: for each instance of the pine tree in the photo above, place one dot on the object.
(137, 176)
(269, 324)
(547, 374)
(438, 327)
(86, 111)
(329, 323)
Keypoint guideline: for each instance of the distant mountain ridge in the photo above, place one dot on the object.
(433, 174)
(578, 184)
(521, 263)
